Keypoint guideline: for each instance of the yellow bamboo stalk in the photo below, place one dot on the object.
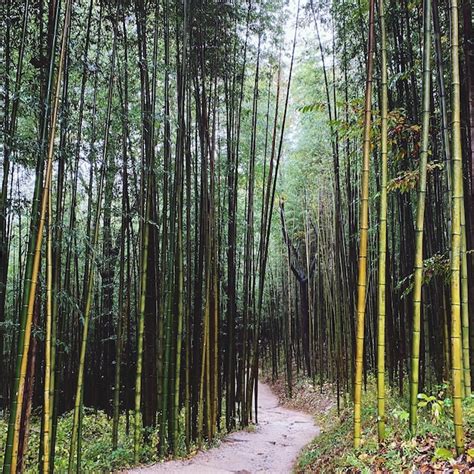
(364, 231)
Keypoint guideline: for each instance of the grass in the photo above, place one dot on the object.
(332, 451)
(96, 453)
(96, 444)
(432, 450)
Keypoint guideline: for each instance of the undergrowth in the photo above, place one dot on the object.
(432, 450)
(96, 452)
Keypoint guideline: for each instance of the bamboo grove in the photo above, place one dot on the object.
(133, 274)
(196, 191)
(374, 274)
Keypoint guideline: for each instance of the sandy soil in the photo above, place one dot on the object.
(272, 447)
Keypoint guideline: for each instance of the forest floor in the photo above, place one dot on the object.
(432, 451)
(271, 446)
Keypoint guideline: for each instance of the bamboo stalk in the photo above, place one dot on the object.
(382, 257)
(456, 237)
(363, 235)
(420, 215)
(465, 306)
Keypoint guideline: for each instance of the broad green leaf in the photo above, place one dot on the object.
(443, 453)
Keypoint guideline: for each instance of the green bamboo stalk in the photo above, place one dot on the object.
(187, 370)
(465, 306)
(146, 213)
(141, 330)
(179, 276)
(48, 346)
(166, 247)
(167, 387)
(214, 363)
(207, 368)
(457, 197)
(420, 215)
(179, 333)
(382, 234)
(204, 358)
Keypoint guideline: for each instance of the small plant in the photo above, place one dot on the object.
(400, 414)
(443, 454)
(251, 428)
(435, 405)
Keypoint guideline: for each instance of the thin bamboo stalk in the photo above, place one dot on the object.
(382, 257)
(420, 215)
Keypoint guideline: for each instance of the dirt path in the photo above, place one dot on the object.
(272, 447)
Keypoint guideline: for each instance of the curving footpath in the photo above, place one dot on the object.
(273, 447)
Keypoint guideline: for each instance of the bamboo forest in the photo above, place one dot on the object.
(237, 236)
